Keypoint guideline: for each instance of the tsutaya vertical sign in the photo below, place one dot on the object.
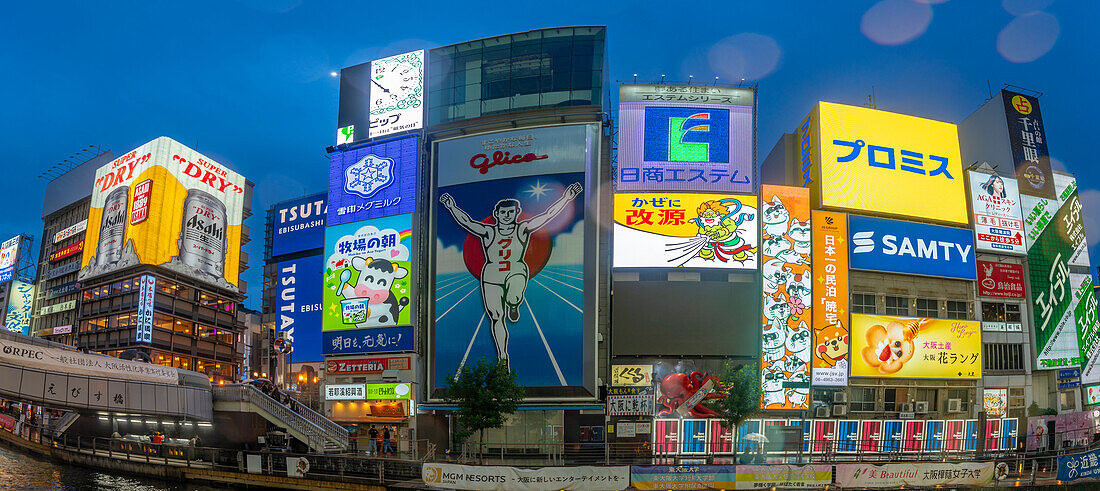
(830, 313)
(785, 252)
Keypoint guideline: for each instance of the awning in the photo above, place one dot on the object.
(547, 407)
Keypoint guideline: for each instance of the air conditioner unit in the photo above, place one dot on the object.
(840, 410)
(907, 407)
(840, 397)
(821, 412)
(954, 405)
(922, 407)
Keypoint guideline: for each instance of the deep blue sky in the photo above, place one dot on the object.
(247, 82)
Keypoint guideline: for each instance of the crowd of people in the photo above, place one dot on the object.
(382, 443)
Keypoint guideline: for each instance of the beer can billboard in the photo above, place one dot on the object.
(168, 205)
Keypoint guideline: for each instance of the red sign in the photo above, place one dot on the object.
(66, 252)
(368, 365)
(1001, 280)
(141, 202)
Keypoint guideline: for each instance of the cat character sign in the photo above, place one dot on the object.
(787, 299)
(662, 230)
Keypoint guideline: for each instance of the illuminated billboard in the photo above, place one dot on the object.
(908, 347)
(372, 181)
(672, 230)
(299, 225)
(512, 255)
(830, 293)
(367, 274)
(9, 256)
(1028, 141)
(298, 306)
(20, 305)
(1053, 293)
(868, 160)
(787, 297)
(165, 204)
(894, 246)
(685, 138)
(396, 94)
(998, 222)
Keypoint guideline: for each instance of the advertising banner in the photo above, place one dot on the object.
(1000, 280)
(787, 300)
(995, 402)
(70, 231)
(373, 181)
(894, 246)
(1028, 140)
(511, 254)
(62, 290)
(366, 365)
(499, 478)
(299, 225)
(1052, 291)
(388, 391)
(57, 307)
(830, 293)
(889, 163)
(67, 251)
(909, 347)
(9, 255)
(1037, 215)
(396, 94)
(685, 138)
(630, 405)
(92, 365)
(20, 305)
(1088, 326)
(1079, 466)
(366, 274)
(166, 204)
(784, 476)
(632, 375)
(673, 230)
(63, 269)
(371, 340)
(923, 474)
(1092, 394)
(298, 306)
(143, 331)
(345, 392)
(998, 220)
(662, 477)
(1066, 186)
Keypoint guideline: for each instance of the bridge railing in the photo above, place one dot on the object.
(301, 419)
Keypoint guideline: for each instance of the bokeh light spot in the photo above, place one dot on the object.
(895, 22)
(1028, 37)
(748, 56)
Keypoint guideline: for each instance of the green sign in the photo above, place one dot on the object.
(388, 391)
(1088, 327)
(1051, 289)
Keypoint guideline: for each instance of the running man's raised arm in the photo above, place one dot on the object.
(540, 221)
(462, 218)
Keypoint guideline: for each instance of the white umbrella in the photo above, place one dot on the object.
(756, 437)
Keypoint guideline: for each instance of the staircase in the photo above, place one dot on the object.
(65, 421)
(314, 429)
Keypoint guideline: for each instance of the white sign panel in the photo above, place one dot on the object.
(346, 392)
(70, 231)
(396, 94)
(998, 221)
(895, 476)
(586, 478)
(631, 405)
(74, 362)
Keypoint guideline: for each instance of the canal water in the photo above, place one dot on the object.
(21, 472)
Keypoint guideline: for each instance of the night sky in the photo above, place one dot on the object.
(248, 82)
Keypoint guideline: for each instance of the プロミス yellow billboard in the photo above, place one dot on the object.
(864, 159)
(910, 347)
(165, 204)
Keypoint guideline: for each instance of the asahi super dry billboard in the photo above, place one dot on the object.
(165, 204)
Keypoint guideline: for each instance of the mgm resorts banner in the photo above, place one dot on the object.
(513, 255)
(584, 478)
(166, 204)
(930, 474)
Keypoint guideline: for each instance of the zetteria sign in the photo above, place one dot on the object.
(894, 246)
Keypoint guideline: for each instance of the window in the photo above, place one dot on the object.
(1012, 312)
(963, 395)
(928, 307)
(995, 312)
(926, 395)
(897, 306)
(1003, 356)
(1066, 401)
(863, 303)
(890, 400)
(958, 310)
(1015, 402)
(863, 399)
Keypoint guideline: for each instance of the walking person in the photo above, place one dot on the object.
(388, 449)
(372, 439)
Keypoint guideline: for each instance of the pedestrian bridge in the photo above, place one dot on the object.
(51, 374)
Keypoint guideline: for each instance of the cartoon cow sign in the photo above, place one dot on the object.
(370, 302)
